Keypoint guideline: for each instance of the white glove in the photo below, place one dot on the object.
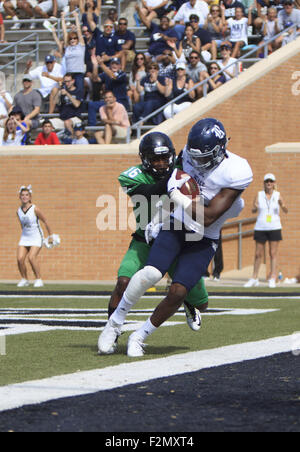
(152, 230)
(176, 184)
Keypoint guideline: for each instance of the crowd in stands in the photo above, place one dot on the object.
(96, 69)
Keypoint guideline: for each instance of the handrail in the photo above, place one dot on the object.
(236, 63)
(240, 234)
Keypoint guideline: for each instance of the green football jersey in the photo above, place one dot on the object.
(143, 209)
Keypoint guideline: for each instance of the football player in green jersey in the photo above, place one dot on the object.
(158, 158)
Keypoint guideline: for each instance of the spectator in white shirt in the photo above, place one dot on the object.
(49, 75)
(153, 9)
(227, 60)
(270, 29)
(198, 7)
(238, 27)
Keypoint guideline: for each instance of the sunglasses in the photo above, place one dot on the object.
(122, 23)
(214, 67)
(269, 181)
(215, 10)
(194, 58)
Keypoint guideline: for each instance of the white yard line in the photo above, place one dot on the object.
(88, 382)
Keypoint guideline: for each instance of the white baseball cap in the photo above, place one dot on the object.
(270, 176)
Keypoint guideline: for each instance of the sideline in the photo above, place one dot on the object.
(88, 382)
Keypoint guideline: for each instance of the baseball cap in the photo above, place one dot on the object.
(180, 65)
(115, 60)
(270, 176)
(78, 126)
(49, 59)
(27, 77)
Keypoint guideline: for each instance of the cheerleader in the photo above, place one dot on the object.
(32, 237)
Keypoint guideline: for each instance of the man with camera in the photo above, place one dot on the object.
(70, 104)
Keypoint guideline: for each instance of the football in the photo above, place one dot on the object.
(190, 188)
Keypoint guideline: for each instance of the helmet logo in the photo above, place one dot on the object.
(219, 133)
(161, 150)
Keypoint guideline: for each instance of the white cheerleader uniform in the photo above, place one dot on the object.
(32, 234)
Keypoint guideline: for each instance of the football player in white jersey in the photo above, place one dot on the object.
(31, 241)
(222, 177)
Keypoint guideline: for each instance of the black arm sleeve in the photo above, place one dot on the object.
(148, 190)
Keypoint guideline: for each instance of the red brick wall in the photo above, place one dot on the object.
(66, 187)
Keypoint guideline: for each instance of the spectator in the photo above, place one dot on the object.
(15, 130)
(216, 81)
(176, 88)
(127, 40)
(238, 27)
(153, 87)
(95, 8)
(113, 16)
(287, 17)
(70, 106)
(49, 75)
(47, 137)
(115, 118)
(161, 35)
(189, 43)
(215, 25)
(230, 6)
(208, 50)
(29, 101)
(232, 71)
(11, 7)
(270, 29)
(74, 52)
(2, 30)
(154, 8)
(79, 137)
(6, 100)
(90, 48)
(167, 64)
(107, 46)
(267, 228)
(113, 77)
(49, 8)
(197, 7)
(138, 71)
(194, 69)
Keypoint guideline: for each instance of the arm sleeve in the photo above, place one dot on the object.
(160, 188)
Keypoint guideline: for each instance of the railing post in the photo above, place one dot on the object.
(240, 263)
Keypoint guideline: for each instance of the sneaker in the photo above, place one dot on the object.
(32, 26)
(193, 317)
(38, 283)
(252, 283)
(107, 341)
(135, 346)
(23, 283)
(16, 26)
(272, 283)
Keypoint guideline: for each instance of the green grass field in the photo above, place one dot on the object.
(41, 354)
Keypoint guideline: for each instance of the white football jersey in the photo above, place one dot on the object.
(233, 172)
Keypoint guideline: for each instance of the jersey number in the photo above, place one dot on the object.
(133, 172)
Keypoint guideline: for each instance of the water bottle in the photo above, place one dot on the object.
(280, 277)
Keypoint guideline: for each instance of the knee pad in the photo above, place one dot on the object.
(141, 282)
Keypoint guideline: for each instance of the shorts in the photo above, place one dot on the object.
(47, 6)
(120, 132)
(268, 236)
(60, 123)
(136, 258)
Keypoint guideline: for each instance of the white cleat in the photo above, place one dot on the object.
(193, 317)
(107, 342)
(135, 346)
(252, 283)
(38, 283)
(23, 283)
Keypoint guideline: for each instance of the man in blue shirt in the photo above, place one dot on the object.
(126, 39)
(160, 34)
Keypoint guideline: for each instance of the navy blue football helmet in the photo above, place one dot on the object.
(153, 146)
(206, 145)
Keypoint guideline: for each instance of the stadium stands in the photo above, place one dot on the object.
(36, 37)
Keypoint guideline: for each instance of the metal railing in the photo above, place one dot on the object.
(239, 235)
(264, 46)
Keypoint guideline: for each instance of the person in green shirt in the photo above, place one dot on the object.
(150, 179)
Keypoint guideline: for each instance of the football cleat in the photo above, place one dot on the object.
(135, 346)
(107, 342)
(193, 316)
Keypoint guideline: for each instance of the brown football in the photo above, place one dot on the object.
(190, 188)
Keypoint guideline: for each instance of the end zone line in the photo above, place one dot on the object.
(88, 382)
